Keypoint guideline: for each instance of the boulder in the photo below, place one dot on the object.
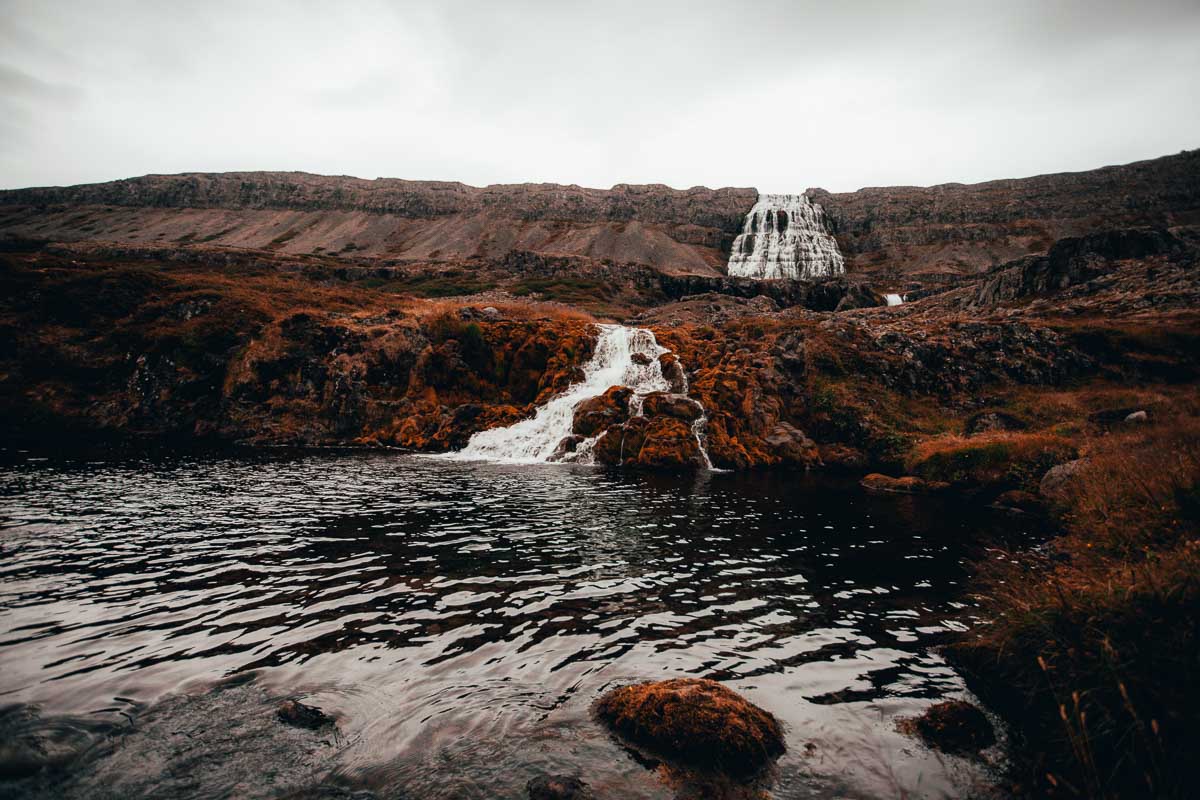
(661, 404)
(790, 445)
(1057, 480)
(908, 484)
(602, 412)
(298, 715)
(1137, 416)
(672, 370)
(954, 726)
(567, 446)
(669, 442)
(557, 787)
(694, 722)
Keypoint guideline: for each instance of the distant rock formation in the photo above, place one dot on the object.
(785, 236)
(679, 231)
(956, 229)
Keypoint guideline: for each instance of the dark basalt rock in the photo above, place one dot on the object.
(694, 722)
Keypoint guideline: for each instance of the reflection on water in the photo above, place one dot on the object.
(459, 618)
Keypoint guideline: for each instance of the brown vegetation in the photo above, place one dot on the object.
(1096, 639)
(695, 722)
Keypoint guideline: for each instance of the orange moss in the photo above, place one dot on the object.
(695, 722)
(997, 459)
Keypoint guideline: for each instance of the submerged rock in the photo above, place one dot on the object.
(695, 722)
(954, 726)
(298, 715)
(557, 787)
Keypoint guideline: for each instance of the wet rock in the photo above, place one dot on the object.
(987, 421)
(908, 484)
(641, 359)
(1137, 416)
(602, 412)
(694, 722)
(672, 370)
(669, 443)
(30, 743)
(661, 404)
(954, 726)
(791, 445)
(558, 787)
(299, 715)
(567, 446)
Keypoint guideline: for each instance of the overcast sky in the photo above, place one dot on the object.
(777, 95)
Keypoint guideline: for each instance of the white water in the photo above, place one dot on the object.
(893, 299)
(785, 236)
(536, 439)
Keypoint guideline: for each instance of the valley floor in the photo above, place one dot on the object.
(1062, 386)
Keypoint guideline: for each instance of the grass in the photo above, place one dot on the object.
(1095, 640)
(447, 284)
(1003, 459)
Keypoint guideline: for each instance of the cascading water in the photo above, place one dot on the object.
(894, 299)
(785, 236)
(623, 357)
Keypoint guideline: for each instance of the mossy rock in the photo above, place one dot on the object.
(694, 722)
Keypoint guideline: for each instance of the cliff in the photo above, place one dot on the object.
(681, 231)
(901, 231)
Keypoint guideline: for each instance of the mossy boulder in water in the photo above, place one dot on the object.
(954, 726)
(694, 722)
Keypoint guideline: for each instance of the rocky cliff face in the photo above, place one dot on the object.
(899, 231)
(683, 231)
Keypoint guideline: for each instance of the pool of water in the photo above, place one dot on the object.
(458, 619)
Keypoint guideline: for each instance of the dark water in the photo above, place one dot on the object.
(458, 619)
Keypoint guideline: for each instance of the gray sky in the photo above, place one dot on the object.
(777, 95)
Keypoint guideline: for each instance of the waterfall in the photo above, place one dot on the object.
(785, 236)
(623, 357)
(893, 299)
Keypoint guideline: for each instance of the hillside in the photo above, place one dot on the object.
(901, 237)
(956, 228)
(686, 231)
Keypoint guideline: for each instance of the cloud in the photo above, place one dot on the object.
(778, 95)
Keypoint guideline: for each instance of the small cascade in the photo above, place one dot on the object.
(623, 357)
(894, 299)
(785, 236)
